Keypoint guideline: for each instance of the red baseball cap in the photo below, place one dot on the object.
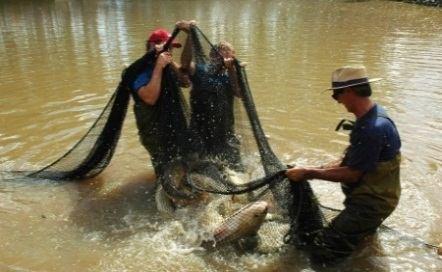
(161, 35)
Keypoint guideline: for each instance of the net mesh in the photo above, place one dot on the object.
(93, 152)
(200, 138)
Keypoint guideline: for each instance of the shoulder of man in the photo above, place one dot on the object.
(137, 67)
(383, 120)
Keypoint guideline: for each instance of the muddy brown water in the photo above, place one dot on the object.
(61, 60)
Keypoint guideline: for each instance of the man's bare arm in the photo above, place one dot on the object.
(150, 92)
(342, 174)
(231, 70)
(187, 66)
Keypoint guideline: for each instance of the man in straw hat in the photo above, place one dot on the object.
(368, 173)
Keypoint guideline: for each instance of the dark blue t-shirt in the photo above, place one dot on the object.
(373, 139)
(208, 81)
(212, 102)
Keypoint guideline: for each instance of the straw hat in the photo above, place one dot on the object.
(348, 76)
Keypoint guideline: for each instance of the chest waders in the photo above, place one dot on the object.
(148, 131)
(378, 192)
(368, 203)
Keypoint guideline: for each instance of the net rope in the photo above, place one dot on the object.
(203, 157)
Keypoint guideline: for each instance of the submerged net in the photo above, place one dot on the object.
(196, 138)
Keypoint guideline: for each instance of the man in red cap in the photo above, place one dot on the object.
(146, 89)
(147, 85)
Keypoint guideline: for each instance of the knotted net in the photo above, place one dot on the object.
(204, 137)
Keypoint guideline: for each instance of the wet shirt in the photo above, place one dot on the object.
(209, 81)
(211, 100)
(373, 139)
(212, 104)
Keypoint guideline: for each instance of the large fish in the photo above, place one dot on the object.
(242, 224)
(164, 204)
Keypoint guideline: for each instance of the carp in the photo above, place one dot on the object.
(164, 204)
(243, 223)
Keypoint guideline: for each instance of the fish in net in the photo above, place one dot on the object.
(200, 140)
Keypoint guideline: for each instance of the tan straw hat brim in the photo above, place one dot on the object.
(355, 84)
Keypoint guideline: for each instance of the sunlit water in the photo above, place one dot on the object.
(61, 60)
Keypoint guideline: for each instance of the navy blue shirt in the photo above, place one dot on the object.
(373, 139)
(209, 81)
(212, 101)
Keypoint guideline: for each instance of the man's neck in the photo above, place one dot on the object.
(363, 107)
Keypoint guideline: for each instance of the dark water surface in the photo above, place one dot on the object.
(61, 60)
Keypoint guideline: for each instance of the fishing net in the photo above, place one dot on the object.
(200, 140)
